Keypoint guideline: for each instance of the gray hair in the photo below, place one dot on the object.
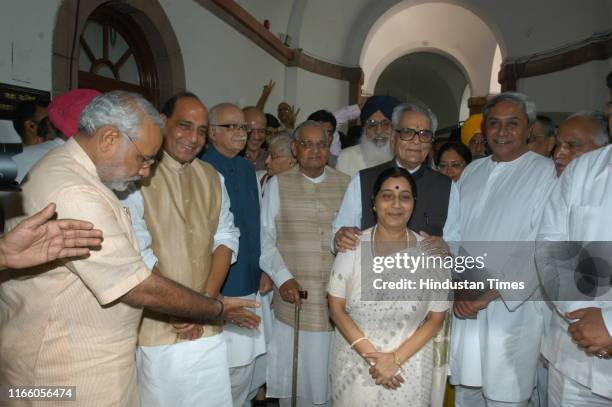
(282, 144)
(528, 106)
(126, 111)
(600, 120)
(310, 123)
(400, 109)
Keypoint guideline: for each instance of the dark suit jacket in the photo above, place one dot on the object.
(431, 206)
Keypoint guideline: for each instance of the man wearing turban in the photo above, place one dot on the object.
(472, 137)
(373, 148)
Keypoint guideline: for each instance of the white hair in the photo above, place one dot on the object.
(400, 109)
(126, 111)
(600, 120)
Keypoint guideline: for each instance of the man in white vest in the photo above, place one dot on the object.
(297, 210)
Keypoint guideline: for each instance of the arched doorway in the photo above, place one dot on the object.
(114, 54)
(430, 79)
(458, 33)
(120, 44)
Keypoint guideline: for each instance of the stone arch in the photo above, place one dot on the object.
(459, 33)
(151, 18)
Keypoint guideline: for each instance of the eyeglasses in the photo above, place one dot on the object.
(147, 160)
(374, 124)
(454, 165)
(309, 145)
(233, 126)
(408, 134)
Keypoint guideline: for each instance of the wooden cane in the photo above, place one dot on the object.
(296, 339)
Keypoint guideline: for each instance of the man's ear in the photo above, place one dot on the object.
(108, 138)
(294, 149)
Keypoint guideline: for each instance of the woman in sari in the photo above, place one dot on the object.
(382, 353)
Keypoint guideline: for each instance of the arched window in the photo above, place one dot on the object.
(114, 54)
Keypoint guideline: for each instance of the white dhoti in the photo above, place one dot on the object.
(261, 362)
(190, 373)
(313, 387)
(243, 347)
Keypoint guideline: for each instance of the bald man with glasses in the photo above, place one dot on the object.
(228, 136)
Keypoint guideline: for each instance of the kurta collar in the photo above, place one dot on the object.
(171, 163)
(413, 171)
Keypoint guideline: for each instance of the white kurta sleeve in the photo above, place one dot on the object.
(134, 202)
(555, 216)
(227, 233)
(349, 213)
(271, 260)
(346, 114)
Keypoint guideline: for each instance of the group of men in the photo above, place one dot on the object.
(167, 313)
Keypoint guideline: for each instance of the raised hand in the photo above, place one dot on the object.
(38, 240)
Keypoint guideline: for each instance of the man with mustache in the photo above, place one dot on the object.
(580, 133)
(76, 323)
(374, 147)
(192, 241)
(228, 135)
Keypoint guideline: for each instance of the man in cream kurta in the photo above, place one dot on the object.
(499, 198)
(580, 209)
(297, 209)
(193, 238)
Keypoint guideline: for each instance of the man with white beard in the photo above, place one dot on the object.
(374, 147)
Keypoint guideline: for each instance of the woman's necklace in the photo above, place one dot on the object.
(406, 243)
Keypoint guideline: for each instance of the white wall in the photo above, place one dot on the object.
(577, 88)
(221, 65)
(275, 11)
(316, 92)
(26, 34)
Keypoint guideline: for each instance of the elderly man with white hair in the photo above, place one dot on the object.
(580, 133)
(374, 146)
(413, 135)
(298, 206)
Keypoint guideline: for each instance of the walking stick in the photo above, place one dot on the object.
(296, 339)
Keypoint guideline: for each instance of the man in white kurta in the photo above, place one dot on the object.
(301, 199)
(499, 198)
(580, 209)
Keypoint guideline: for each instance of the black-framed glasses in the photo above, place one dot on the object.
(147, 160)
(378, 124)
(408, 134)
(233, 126)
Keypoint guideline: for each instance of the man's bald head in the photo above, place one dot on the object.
(580, 133)
(256, 120)
(227, 129)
